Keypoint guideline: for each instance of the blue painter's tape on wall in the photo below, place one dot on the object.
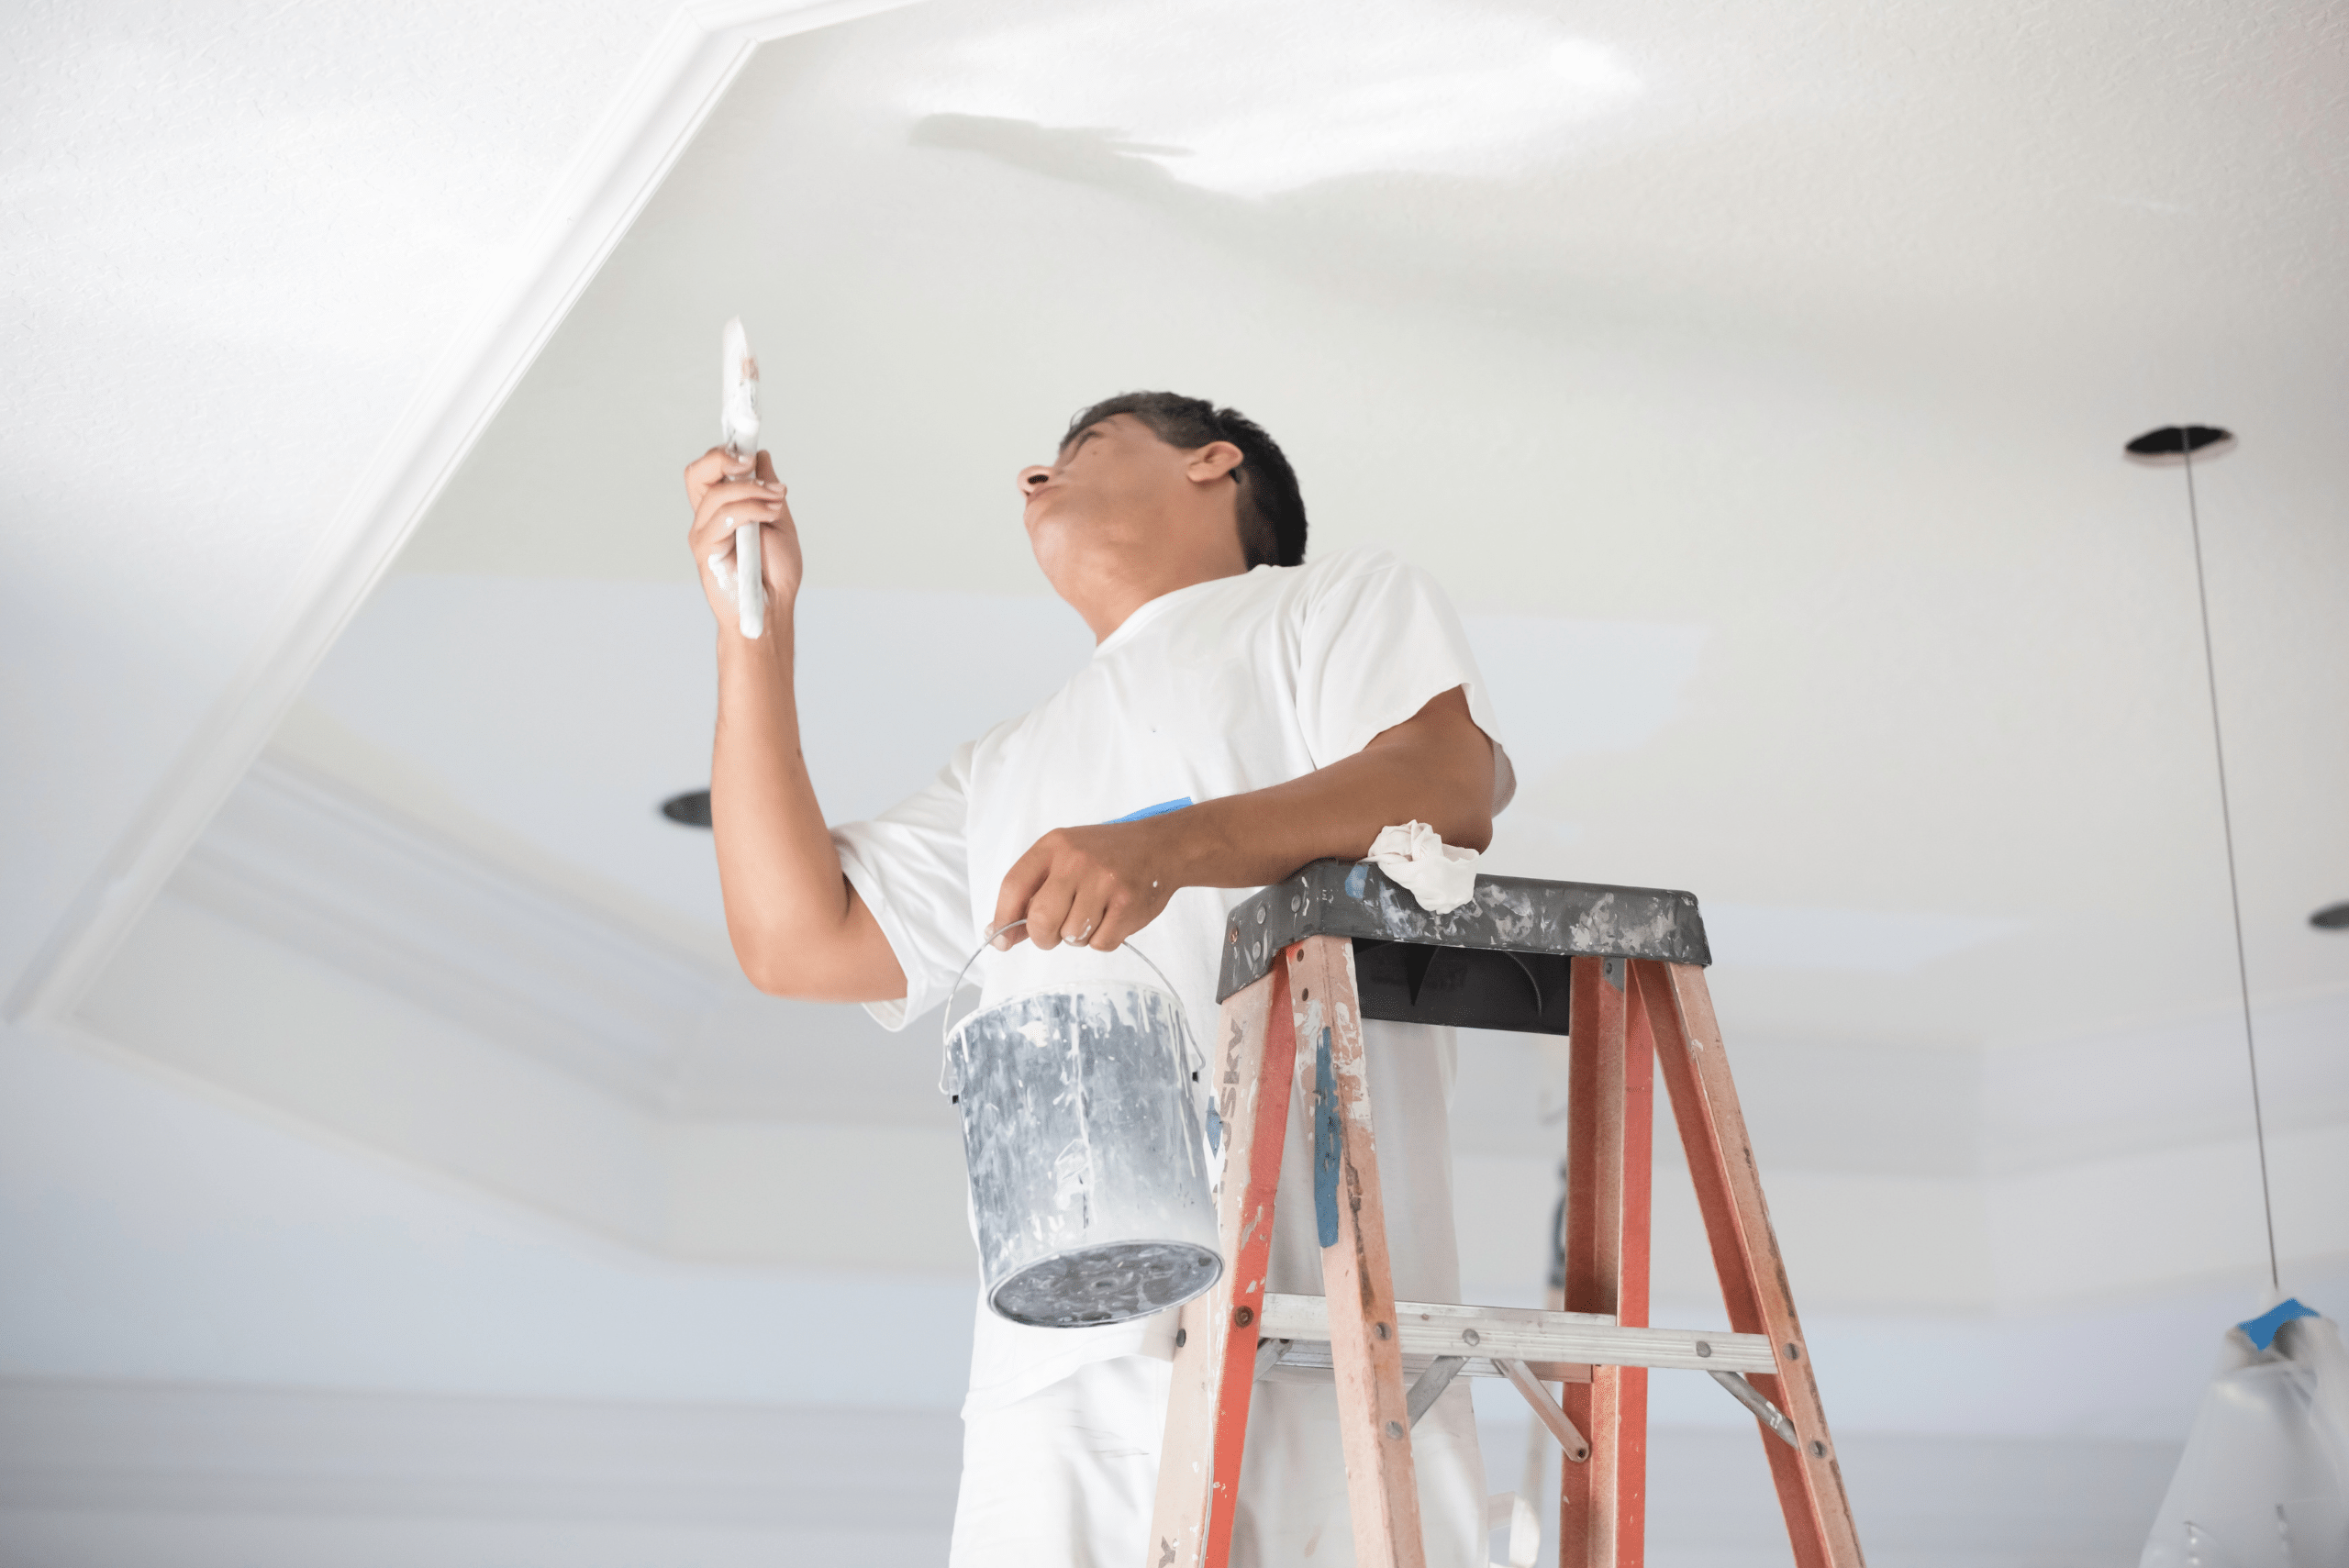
(1161, 809)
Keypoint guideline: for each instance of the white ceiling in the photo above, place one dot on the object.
(238, 237)
(1755, 380)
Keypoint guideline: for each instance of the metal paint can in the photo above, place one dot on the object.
(1089, 1184)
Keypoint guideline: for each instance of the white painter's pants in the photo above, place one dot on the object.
(1065, 1478)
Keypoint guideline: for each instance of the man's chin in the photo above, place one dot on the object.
(1051, 527)
(1057, 545)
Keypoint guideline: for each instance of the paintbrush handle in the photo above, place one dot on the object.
(749, 582)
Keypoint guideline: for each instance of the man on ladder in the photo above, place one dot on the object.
(1243, 714)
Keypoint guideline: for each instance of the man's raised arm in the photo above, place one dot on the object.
(798, 927)
(1098, 886)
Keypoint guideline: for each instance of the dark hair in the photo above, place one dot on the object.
(1271, 509)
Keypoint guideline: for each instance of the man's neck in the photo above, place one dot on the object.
(1108, 595)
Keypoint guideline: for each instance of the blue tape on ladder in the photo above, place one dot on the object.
(1329, 1142)
(2261, 1331)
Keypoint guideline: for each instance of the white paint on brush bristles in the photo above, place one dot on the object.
(738, 421)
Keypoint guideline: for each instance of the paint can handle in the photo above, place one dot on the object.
(1194, 1060)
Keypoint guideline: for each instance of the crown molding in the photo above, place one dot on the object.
(328, 874)
(684, 74)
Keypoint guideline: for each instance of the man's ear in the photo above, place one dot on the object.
(1213, 462)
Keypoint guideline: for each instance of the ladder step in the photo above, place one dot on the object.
(1313, 1355)
(1521, 1333)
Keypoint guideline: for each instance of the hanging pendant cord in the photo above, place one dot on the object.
(2234, 889)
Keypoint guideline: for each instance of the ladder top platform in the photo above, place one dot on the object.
(1540, 924)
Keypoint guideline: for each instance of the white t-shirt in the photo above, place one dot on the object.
(1217, 689)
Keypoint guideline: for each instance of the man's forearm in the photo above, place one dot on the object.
(794, 923)
(1248, 841)
(1097, 886)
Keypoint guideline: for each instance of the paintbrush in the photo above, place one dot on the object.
(738, 420)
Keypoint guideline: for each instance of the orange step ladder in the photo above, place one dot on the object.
(1305, 961)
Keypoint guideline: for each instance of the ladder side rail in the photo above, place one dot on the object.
(1373, 1411)
(1216, 1339)
(1638, 1166)
(1593, 1529)
(1753, 1273)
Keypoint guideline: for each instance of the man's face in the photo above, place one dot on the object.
(1112, 471)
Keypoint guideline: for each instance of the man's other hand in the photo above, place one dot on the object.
(1093, 887)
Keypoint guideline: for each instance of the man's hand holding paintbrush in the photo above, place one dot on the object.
(723, 500)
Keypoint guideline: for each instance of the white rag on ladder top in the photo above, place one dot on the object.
(1441, 876)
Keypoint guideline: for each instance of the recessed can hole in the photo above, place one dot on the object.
(690, 810)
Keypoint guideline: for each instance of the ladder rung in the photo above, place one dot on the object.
(1313, 1355)
(1524, 1333)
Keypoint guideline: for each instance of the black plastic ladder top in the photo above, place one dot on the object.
(1498, 961)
